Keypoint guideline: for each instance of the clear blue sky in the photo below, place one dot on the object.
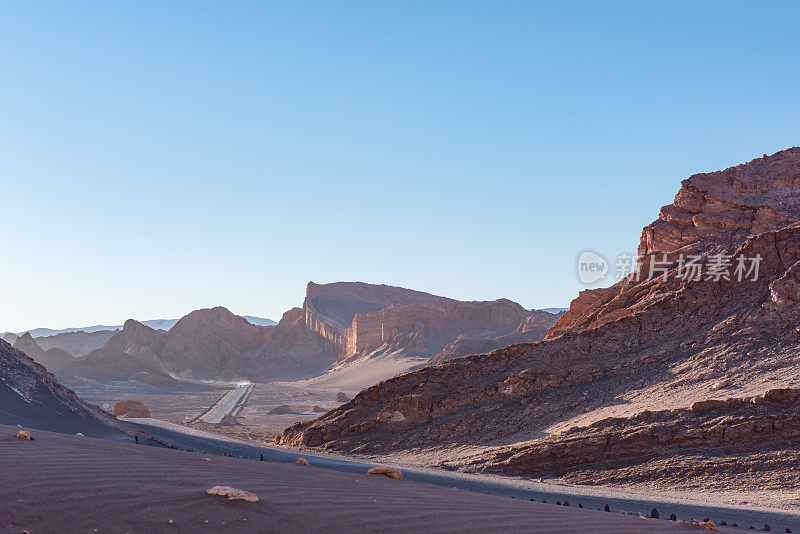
(157, 157)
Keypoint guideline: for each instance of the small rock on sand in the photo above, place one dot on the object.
(233, 493)
(24, 434)
(387, 472)
(130, 408)
(301, 461)
(282, 410)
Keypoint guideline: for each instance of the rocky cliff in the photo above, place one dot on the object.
(713, 213)
(642, 344)
(358, 320)
(133, 353)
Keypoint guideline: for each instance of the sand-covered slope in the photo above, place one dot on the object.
(647, 344)
(70, 484)
(31, 397)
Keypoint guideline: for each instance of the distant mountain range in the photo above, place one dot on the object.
(338, 324)
(158, 324)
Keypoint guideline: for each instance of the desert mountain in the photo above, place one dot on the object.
(293, 350)
(30, 396)
(207, 343)
(338, 323)
(533, 328)
(362, 320)
(54, 359)
(347, 322)
(76, 343)
(131, 354)
(9, 338)
(158, 324)
(646, 343)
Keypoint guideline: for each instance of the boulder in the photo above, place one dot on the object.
(130, 408)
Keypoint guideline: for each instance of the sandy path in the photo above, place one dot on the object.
(62, 483)
(227, 404)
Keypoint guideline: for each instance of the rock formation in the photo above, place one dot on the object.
(130, 408)
(641, 344)
(133, 353)
(211, 343)
(54, 359)
(76, 343)
(348, 321)
(533, 328)
(291, 351)
(31, 397)
(9, 338)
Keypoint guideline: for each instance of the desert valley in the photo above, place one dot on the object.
(665, 389)
(399, 267)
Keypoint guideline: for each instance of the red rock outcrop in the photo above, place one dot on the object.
(773, 418)
(640, 343)
(713, 213)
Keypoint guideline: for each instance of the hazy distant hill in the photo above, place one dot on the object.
(158, 324)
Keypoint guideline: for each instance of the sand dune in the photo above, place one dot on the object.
(64, 483)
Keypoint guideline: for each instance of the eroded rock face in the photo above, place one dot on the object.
(533, 328)
(133, 353)
(292, 350)
(210, 343)
(718, 211)
(207, 342)
(651, 341)
(713, 213)
(359, 320)
(711, 423)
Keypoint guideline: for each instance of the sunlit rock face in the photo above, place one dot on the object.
(360, 320)
(648, 344)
